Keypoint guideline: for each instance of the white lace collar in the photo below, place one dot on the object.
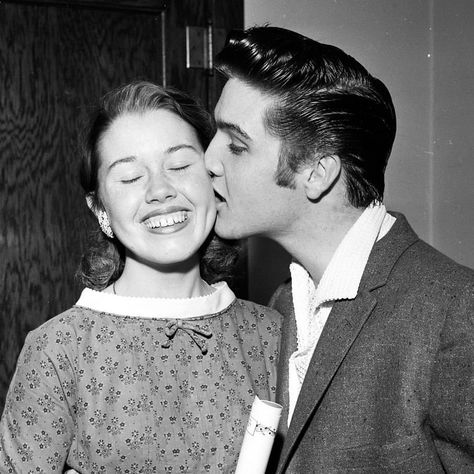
(179, 308)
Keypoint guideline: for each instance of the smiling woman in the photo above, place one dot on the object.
(155, 368)
(157, 195)
(144, 141)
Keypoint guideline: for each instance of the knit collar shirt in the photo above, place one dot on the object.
(340, 281)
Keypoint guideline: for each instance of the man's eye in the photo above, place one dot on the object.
(235, 149)
(131, 180)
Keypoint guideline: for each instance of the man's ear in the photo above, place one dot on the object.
(320, 177)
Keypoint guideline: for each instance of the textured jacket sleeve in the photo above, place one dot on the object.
(451, 412)
(36, 426)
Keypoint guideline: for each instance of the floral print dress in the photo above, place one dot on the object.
(139, 385)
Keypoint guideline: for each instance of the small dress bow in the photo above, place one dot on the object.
(193, 330)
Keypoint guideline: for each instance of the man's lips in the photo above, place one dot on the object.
(219, 197)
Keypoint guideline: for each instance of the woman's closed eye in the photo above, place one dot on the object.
(130, 180)
(179, 168)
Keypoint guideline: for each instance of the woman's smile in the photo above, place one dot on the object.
(165, 220)
(167, 223)
(154, 183)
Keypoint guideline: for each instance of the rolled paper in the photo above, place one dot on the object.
(259, 437)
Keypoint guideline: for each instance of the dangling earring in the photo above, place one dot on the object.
(101, 215)
(104, 224)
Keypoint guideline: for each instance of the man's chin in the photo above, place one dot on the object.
(229, 230)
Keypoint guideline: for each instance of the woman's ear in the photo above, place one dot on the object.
(90, 198)
(101, 215)
(321, 175)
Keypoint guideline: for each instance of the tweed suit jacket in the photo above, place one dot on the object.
(390, 387)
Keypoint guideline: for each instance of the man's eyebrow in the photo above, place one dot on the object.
(126, 159)
(232, 127)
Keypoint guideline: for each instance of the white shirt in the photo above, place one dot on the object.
(340, 281)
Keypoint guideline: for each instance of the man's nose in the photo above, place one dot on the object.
(160, 189)
(213, 160)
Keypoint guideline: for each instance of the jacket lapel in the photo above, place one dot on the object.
(342, 328)
(339, 333)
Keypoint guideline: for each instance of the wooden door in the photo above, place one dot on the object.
(56, 59)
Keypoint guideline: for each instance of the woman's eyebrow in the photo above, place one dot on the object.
(170, 150)
(175, 148)
(126, 159)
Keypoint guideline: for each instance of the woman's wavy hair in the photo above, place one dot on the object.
(103, 260)
(326, 103)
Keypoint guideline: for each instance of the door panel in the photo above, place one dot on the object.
(221, 17)
(56, 59)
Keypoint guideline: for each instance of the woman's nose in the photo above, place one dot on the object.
(160, 189)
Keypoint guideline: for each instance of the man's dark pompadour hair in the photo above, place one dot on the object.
(326, 103)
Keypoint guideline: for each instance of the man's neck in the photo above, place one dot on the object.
(314, 241)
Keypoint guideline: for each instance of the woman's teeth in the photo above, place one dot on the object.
(166, 220)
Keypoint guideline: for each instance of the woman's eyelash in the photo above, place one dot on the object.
(132, 180)
(180, 168)
(235, 149)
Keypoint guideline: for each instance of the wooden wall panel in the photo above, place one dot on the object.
(150, 6)
(56, 59)
(181, 13)
(224, 15)
(54, 63)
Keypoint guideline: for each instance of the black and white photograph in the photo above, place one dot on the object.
(237, 236)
